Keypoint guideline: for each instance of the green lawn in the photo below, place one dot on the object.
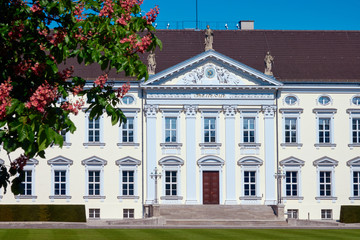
(173, 234)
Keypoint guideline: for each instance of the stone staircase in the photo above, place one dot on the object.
(225, 215)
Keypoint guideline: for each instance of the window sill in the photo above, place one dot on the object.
(325, 145)
(292, 198)
(67, 144)
(354, 198)
(128, 144)
(94, 144)
(171, 198)
(354, 145)
(250, 198)
(59, 197)
(249, 145)
(326, 198)
(291, 145)
(210, 145)
(26, 197)
(127, 197)
(94, 197)
(173, 145)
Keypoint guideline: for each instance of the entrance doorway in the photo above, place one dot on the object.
(210, 187)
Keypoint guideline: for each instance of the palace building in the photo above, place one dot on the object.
(261, 118)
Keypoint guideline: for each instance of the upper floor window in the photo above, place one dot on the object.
(94, 130)
(290, 130)
(324, 130)
(170, 129)
(128, 130)
(356, 130)
(209, 129)
(356, 100)
(249, 130)
(325, 127)
(291, 100)
(128, 100)
(324, 100)
(291, 127)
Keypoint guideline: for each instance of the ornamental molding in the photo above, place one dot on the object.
(208, 96)
(325, 161)
(151, 110)
(190, 110)
(60, 160)
(269, 111)
(229, 111)
(210, 74)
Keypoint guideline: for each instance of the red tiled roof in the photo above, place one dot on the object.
(300, 56)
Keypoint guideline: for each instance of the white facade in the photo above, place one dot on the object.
(217, 131)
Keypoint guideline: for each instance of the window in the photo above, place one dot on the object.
(290, 100)
(128, 213)
(170, 183)
(128, 168)
(60, 167)
(324, 130)
(128, 130)
(94, 213)
(171, 167)
(324, 100)
(60, 183)
(250, 172)
(325, 127)
(94, 183)
(94, 130)
(170, 129)
(249, 183)
(290, 130)
(128, 100)
(27, 183)
(209, 130)
(291, 180)
(325, 168)
(293, 213)
(326, 214)
(356, 130)
(325, 184)
(249, 130)
(63, 134)
(127, 183)
(356, 183)
(356, 100)
(94, 177)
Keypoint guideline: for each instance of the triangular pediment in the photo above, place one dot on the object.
(292, 161)
(354, 162)
(128, 161)
(94, 161)
(60, 160)
(325, 161)
(211, 69)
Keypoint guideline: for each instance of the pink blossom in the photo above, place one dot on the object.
(77, 89)
(5, 99)
(79, 13)
(43, 96)
(101, 80)
(73, 107)
(121, 92)
(152, 15)
(66, 73)
(36, 8)
(16, 32)
(107, 9)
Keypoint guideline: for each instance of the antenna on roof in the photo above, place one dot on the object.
(226, 26)
(167, 26)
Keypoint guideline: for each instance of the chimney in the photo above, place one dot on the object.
(246, 25)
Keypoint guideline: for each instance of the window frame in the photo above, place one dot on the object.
(325, 114)
(171, 147)
(131, 96)
(128, 164)
(291, 114)
(210, 147)
(130, 113)
(101, 142)
(325, 164)
(324, 104)
(353, 114)
(250, 164)
(94, 164)
(291, 96)
(171, 164)
(292, 164)
(354, 165)
(60, 163)
(30, 166)
(325, 213)
(93, 212)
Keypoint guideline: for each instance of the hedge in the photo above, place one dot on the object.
(350, 214)
(43, 213)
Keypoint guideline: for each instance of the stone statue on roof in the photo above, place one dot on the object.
(151, 63)
(269, 62)
(209, 38)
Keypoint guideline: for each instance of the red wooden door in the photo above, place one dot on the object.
(210, 187)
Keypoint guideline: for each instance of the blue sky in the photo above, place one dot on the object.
(267, 14)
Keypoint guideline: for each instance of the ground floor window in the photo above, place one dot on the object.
(249, 183)
(293, 213)
(94, 213)
(128, 213)
(170, 183)
(326, 213)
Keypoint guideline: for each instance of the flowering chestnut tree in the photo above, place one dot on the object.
(33, 90)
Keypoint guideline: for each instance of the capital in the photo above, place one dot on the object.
(151, 110)
(190, 110)
(269, 111)
(229, 111)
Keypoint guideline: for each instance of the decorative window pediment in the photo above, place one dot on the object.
(250, 161)
(354, 162)
(94, 161)
(60, 160)
(325, 161)
(32, 161)
(292, 161)
(210, 161)
(171, 161)
(127, 161)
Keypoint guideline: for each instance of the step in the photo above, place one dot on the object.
(224, 222)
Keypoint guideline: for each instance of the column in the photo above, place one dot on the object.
(190, 112)
(150, 113)
(230, 164)
(270, 155)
